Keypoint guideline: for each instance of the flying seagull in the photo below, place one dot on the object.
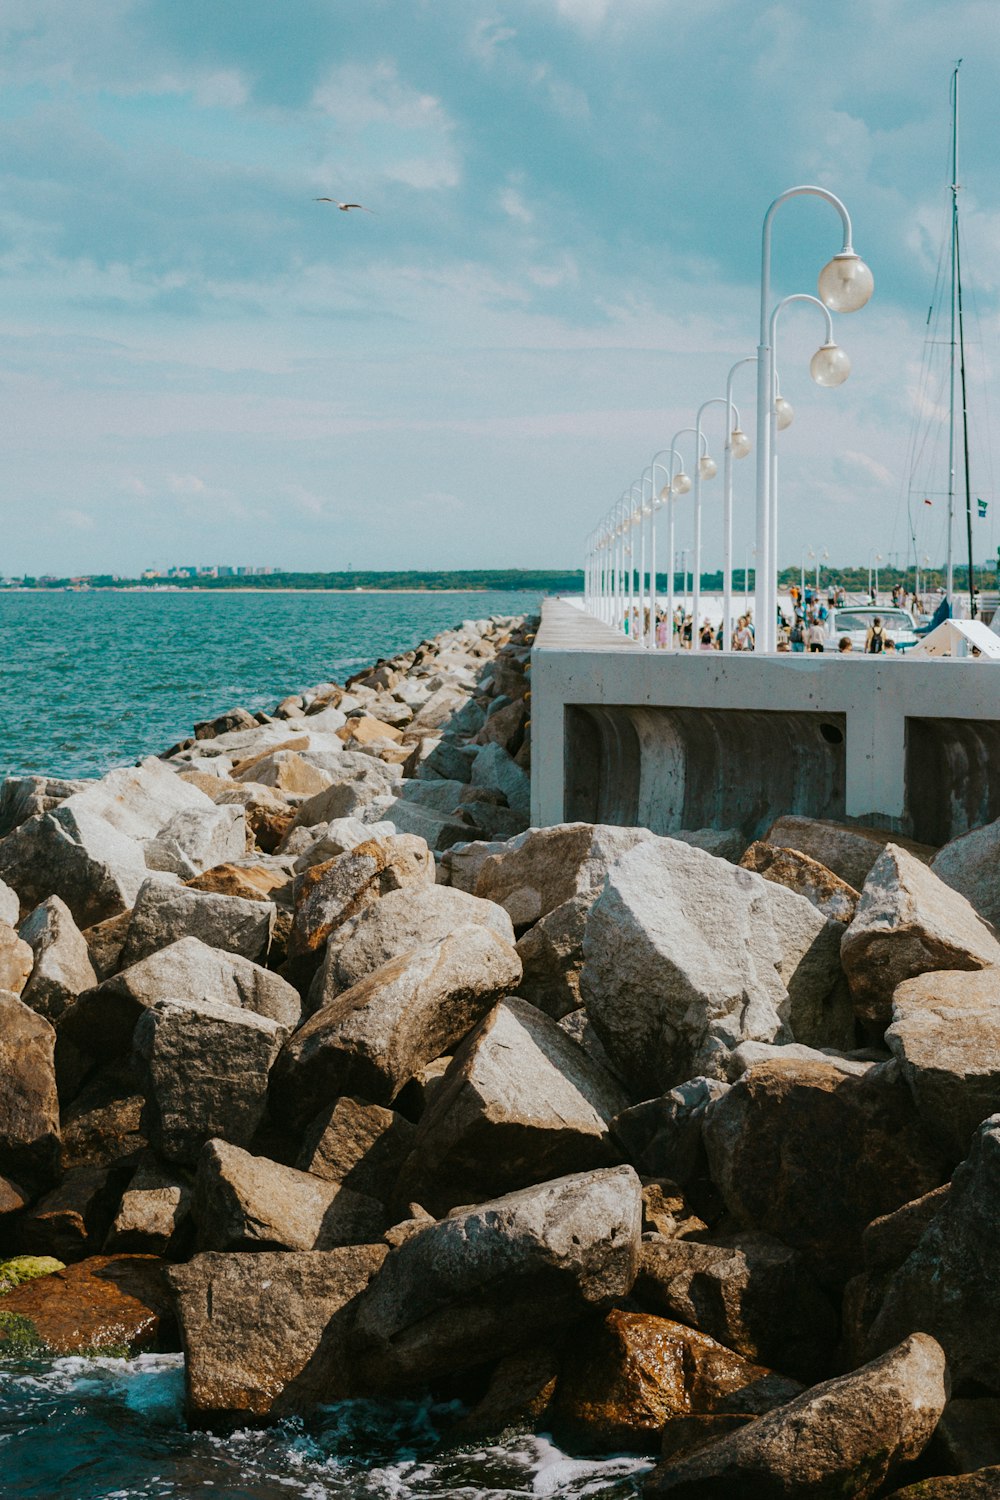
(345, 207)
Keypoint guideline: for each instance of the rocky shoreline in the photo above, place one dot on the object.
(321, 1065)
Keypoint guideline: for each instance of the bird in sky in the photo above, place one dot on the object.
(345, 207)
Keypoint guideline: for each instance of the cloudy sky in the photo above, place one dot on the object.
(200, 364)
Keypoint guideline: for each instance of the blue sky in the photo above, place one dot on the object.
(200, 364)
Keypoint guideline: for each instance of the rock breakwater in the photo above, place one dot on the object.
(321, 1065)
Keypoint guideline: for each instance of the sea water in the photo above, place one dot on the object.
(113, 1429)
(93, 680)
(88, 681)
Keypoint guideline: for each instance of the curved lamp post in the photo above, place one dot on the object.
(845, 284)
(680, 484)
(737, 446)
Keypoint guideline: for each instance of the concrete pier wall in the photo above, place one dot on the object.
(673, 740)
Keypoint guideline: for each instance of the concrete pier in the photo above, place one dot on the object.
(698, 739)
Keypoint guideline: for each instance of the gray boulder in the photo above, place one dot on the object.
(16, 959)
(552, 954)
(948, 1284)
(971, 865)
(330, 894)
(909, 922)
(244, 1202)
(360, 780)
(493, 767)
(137, 801)
(62, 966)
(265, 1334)
(76, 854)
(845, 1437)
(540, 870)
(10, 906)
(542, 1258)
(848, 849)
(358, 1144)
(379, 1033)
(946, 1034)
(196, 839)
(520, 1103)
(29, 1102)
(23, 797)
(401, 921)
(103, 1019)
(163, 914)
(205, 1068)
(153, 1211)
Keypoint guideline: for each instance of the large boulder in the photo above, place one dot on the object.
(493, 767)
(848, 849)
(163, 914)
(29, 1101)
(265, 1335)
(115, 1303)
(205, 1069)
(152, 1214)
(797, 872)
(845, 1437)
(23, 797)
(948, 1285)
(908, 922)
(76, 854)
(137, 801)
(538, 871)
(360, 780)
(242, 1202)
(552, 954)
(971, 865)
(946, 1034)
(667, 998)
(195, 839)
(633, 1374)
(810, 1154)
(62, 966)
(402, 920)
(378, 1034)
(71, 1220)
(327, 895)
(519, 1104)
(102, 1021)
(359, 1144)
(748, 1291)
(542, 1258)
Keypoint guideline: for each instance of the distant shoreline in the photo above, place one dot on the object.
(195, 589)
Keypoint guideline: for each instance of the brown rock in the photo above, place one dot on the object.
(846, 1437)
(251, 882)
(16, 959)
(264, 1335)
(908, 922)
(797, 872)
(152, 1214)
(633, 1373)
(361, 1145)
(105, 941)
(12, 1198)
(667, 1213)
(329, 894)
(686, 1435)
(29, 1103)
(811, 1155)
(107, 1303)
(849, 850)
(102, 1125)
(72, 1220)
(984, 1484)
(518, 1397)
(287, 771)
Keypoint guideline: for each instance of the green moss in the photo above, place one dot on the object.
(19, 1337)
(23, 1268)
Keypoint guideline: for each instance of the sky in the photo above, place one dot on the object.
(199, 364)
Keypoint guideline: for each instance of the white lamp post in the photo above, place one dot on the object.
(737, 446)
(657, 499)
(705, 468)
(845, 284)
(878, 558)
(680, 484)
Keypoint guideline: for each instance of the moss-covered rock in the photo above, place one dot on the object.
(22, 1268)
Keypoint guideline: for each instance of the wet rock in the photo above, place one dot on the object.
(807, 877)
(16, 959)
(849, 850)
(62, 966)
(544, 1256)
(909, 922)
(810, 1154)
(748, 1291)
(245, 1202)
(29, 1102)
(520, 1104)
(265, 1334)
(21, 1268)
(845, 1437)
(103, 1020)
(518, 1397)
(195, 839)
(666, 998)
(205, 1068)
(165, 914)
(405, 919)
(969, 865)
(152, 1213)
(361, 1145)
(328, 895)
(946, 1034)
(107, 1304)
(375, 1036)
(533, 874)
(947, 1284)
(633, 1373)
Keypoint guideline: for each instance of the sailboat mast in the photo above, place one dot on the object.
(950, 562)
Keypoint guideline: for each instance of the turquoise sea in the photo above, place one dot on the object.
(88, 681)
(93, 680)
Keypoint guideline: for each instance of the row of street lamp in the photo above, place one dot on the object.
(845, 285)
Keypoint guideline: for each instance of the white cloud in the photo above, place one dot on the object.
(514, 206)
(79, 520)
